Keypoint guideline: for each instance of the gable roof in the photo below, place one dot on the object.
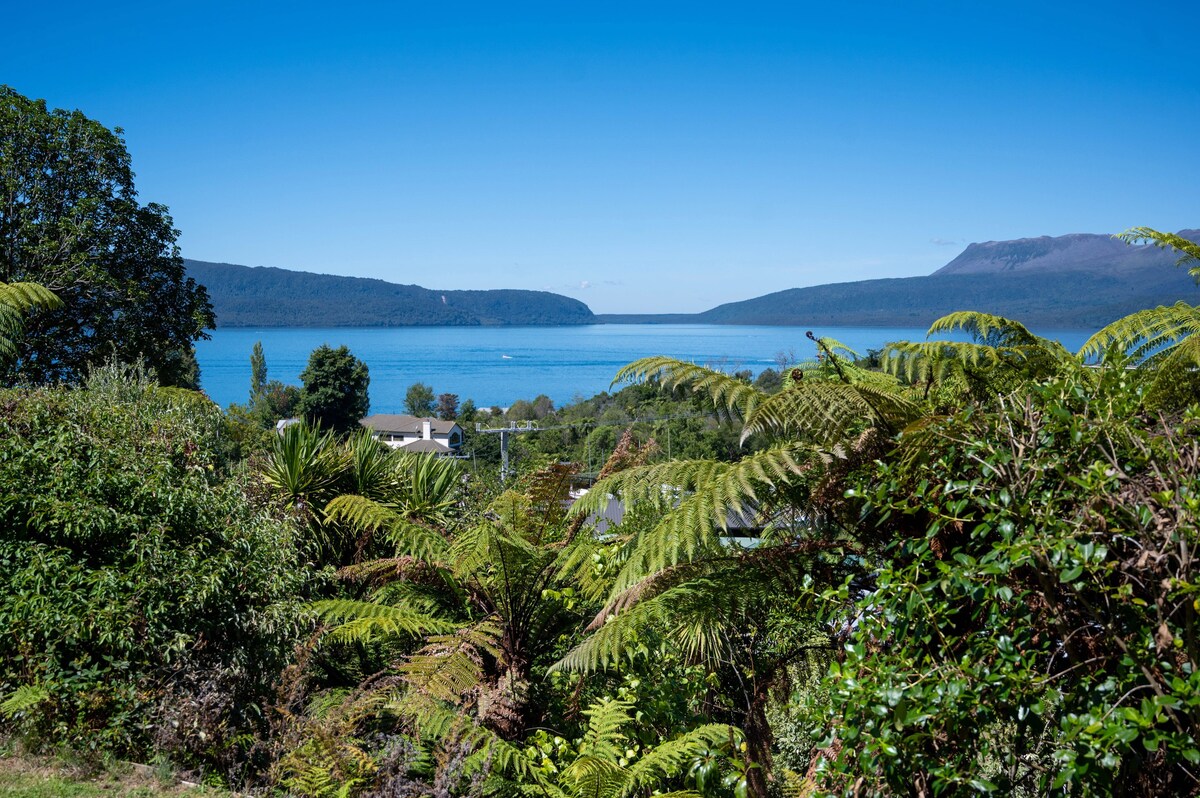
(405, 424)
(432, 446)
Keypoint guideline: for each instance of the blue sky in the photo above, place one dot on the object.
(642, 157)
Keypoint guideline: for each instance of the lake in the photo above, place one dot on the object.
(498, 365)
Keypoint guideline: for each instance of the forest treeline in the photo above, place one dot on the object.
(267, 297)
(971, 570)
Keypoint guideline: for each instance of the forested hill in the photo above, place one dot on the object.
(244, 296)
(1081, 281)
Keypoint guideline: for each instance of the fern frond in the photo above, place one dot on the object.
(668, 759)
(16, 300)
(23, 699)
(706, 493)
(918, 361)
(365, 621)
(1147, 335)
(450, 667)
(724, 390)
(1190, 249)
(410, 538)
(435, 721)
(826, 411)
(984, 328)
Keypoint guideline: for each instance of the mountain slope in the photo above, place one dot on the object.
(244, 296)
(1079, 280)
(1076, 252)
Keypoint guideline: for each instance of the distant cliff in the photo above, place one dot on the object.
(244, 296)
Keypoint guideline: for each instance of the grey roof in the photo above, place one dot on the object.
(427, 446)
(405, 424)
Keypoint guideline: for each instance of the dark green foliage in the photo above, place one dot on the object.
(142, 593)
(258, 371)
(447, 406)
(335, 389)
(266, 297)
(1034, 624)
(70, 220)
(418, 400)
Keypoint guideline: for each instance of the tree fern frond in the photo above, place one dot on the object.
(409, 538)
(1146, 334)
(706, 493)
(435, 721)
(827, 411)
(603, 736)
(607, 644)
(1190, 249)
(364, 621)
(724, 390)
(16, 300)
(918, 361)
(985, 328)
(669, 758)
(450, 667)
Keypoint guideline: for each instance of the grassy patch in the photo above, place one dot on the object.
(25, 777)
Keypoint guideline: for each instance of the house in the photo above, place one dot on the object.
(415, 434)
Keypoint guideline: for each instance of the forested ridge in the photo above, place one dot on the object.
(268, 297)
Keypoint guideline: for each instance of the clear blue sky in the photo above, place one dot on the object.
(642, 157)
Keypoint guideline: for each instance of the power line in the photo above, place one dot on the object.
(523, 427)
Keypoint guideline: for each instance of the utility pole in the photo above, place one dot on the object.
(513, 428)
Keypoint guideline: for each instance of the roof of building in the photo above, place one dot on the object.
(405, 424)
(432, 446)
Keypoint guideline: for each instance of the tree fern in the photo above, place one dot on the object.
(450, 667)
(365, 621)
(726, 391)
(997, 344)
(16, 301)
(407, 537)
(704, 494)
(1152, 336)
(826, 412)
(1189, 250)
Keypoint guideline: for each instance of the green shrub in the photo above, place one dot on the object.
(144, 598)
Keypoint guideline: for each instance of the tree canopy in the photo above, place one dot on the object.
(70, 220)
(335, 388)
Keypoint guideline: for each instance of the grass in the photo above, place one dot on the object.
(35, 777)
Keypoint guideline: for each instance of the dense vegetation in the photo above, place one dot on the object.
(973, 571)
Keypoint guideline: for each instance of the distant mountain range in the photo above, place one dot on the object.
(1072, 281)
(245, 296)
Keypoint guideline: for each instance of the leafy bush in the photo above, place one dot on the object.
(143, 596)
(1033, 626)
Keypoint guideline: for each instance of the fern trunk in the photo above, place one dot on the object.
(758, 740)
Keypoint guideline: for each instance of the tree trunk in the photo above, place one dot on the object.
(758, 741)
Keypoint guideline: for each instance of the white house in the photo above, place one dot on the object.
(415, 434)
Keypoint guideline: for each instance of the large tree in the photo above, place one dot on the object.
(335, 388)
(70, 220)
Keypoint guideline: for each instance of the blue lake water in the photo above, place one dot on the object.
(498, 365)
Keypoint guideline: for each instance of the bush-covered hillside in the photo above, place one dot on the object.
(266, 297)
